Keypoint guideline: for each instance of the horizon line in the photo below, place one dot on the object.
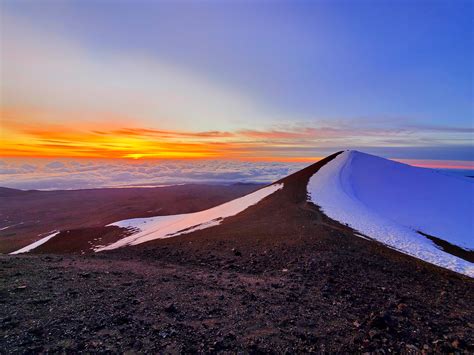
(423, 163)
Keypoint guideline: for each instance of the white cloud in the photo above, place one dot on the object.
(40, 69)
(50, 175)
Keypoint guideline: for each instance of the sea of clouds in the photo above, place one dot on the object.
(46, 174)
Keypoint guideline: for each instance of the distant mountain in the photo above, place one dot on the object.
(5, 192)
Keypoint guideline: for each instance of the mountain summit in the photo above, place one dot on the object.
(401, 206)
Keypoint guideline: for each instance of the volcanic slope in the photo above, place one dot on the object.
(80, 215)
(396, 204)
(415, 210)
(279, 276)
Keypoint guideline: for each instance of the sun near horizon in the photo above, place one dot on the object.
(240, 85)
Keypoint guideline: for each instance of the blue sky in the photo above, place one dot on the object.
(368, 66)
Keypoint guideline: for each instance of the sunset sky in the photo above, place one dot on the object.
(251, 80)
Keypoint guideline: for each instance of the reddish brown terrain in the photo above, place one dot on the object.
(32, 214)
(278, 277)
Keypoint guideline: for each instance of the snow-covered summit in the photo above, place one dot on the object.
(391, 202)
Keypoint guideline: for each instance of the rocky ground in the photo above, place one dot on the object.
(279, 277)
(217, 303)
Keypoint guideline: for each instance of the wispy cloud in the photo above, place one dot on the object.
(143, 132)
(27, 133)
(59, 98)
(45, 70)
(444, 129)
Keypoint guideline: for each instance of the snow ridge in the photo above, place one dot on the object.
(390, 202)
(171, 226)
(36, 244)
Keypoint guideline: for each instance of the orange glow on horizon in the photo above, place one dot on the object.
(438, 164)
(40, 133)
(35, 133)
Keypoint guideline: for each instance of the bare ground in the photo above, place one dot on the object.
(28, 214)
(279, 277)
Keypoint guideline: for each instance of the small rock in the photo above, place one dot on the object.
(230, 335)
(171, 308)
(122, 319)
(236, 252)
(412, 347)
(163, 334)
(41, 301)
(384, 321)
(401, 307)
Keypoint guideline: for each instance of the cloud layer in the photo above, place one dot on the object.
(47, 174)
(53, 174)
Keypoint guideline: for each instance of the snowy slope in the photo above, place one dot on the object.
(170, 226)
(390, 202)
(36, 244)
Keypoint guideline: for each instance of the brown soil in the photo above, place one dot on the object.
(81, 240)
(279, 277)
(34, 214)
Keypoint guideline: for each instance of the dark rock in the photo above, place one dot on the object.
(171, 308)
(41, 301)
(384, 321)
(236, 252)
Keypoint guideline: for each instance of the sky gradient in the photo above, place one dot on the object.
(255, 80)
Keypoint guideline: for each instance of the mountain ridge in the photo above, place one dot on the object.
(280, 276)
(299, 189)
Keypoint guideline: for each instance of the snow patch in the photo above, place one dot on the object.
(170, 226)
(36, 244)
(362, 236)
(390, 202)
